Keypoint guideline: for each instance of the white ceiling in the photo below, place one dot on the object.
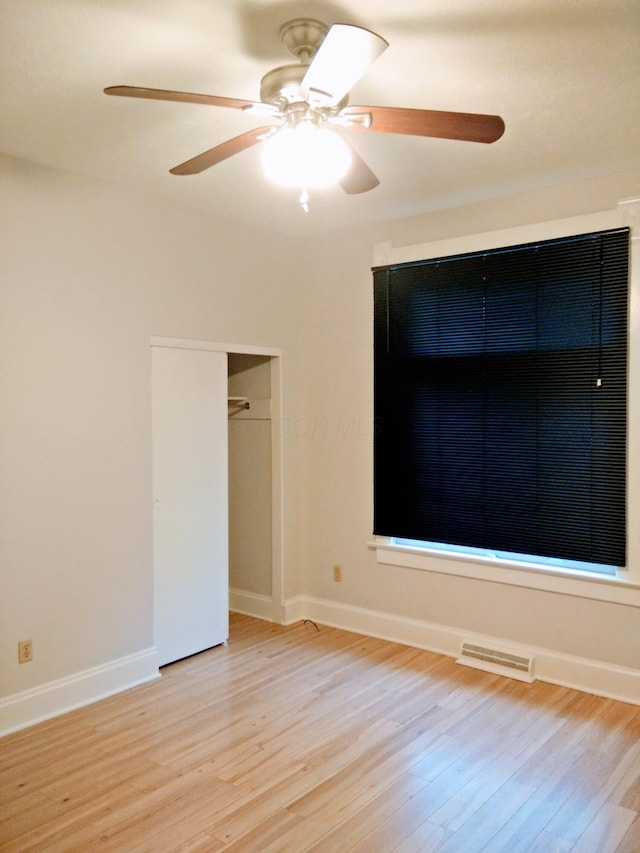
(564, 75)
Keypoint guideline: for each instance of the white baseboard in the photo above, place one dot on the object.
(57, 697)
(589, 676)
(66, 694)
(295, 609)
(251, 604)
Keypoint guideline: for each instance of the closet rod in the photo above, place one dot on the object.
(239, 402)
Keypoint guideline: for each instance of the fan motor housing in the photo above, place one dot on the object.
(281, 86)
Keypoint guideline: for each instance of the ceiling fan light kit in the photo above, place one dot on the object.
(305, 156)
(310, 102)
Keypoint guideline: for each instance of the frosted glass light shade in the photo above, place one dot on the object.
(305, 156)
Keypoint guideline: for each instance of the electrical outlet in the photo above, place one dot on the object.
(25, 651)
(337, 573)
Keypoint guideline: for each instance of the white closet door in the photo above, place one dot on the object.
(190, 484)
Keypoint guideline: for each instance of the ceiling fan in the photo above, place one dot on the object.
(313, 95)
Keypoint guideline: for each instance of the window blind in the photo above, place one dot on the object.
(500, 399)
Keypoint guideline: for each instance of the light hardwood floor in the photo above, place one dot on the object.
(298, 739)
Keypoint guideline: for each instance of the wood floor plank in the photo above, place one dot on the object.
(605, 831)
(548, 794)
(592, 795)
(484, 824)
(267, 832)
(548, 843)
(342, 837)
(426, 838)
(309, 738)
(58, 833)
(21, 816)
(630, 841)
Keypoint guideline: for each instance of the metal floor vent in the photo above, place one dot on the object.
(496, 661)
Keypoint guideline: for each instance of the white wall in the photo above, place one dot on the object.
(89, 273)
(337, 458)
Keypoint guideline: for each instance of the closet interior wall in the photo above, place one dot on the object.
(250, 474)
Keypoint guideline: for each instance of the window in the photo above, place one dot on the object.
(500, 399)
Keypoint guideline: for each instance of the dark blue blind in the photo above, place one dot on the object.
(500, 399)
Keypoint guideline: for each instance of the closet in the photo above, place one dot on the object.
(216, 491)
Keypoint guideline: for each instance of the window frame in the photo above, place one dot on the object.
(624, 586)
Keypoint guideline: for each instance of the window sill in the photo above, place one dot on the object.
(616, 590)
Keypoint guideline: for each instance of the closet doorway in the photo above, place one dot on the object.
(245, 461)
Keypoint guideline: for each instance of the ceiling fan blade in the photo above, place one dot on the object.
(359, 178)
(471, 127)
(183, 97)
(341, 60)
(221, 152)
